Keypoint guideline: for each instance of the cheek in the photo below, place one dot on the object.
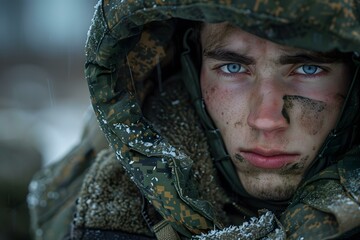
(209, 92)
(314, 117)
(223, 103)
(216, 105)
(215, 98)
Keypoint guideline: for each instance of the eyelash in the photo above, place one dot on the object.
(220, 69)
(319, 70)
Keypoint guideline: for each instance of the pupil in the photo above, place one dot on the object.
(309, 69)
(233, 68)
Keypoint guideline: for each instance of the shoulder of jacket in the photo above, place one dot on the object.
(329, 203)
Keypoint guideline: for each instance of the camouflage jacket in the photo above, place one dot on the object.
(159, 159)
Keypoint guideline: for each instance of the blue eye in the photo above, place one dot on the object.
(308, 69)
(233, 68)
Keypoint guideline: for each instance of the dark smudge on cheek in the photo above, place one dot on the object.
(295, 168)
(298, 166)
(239, 158)
(310, 113)
(285, 114)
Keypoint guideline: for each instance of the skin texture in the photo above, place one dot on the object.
(274, 105)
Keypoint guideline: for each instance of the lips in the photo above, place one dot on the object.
(268, 159)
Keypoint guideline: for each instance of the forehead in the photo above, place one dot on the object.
(219, 35)
(213, 35)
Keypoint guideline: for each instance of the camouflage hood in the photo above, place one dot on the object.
(131, 42)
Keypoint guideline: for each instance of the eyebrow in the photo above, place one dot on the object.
(308, 58)
(311, 57)
(229, 56)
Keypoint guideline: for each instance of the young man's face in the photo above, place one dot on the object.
(274, 105)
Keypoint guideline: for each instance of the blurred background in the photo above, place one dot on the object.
(43, 95)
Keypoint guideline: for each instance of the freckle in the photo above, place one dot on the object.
(314, 148)
(227, 123)
(222, 113)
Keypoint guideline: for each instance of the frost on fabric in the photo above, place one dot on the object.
(42, 195)
(133, 136)
(256, 228)
(353, 182)
(34, 198)
(332, 197)
(39, 194)
(92, 20)
(97, 26)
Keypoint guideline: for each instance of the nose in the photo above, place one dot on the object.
(266, 109)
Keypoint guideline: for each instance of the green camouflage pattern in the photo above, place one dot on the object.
(54, 189)
(129, 39)
(327, 205)
(108, 199)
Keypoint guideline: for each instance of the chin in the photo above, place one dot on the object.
(276, 188)
(274, 195)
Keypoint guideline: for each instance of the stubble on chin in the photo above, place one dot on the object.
(270, 184)
(271, 187)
